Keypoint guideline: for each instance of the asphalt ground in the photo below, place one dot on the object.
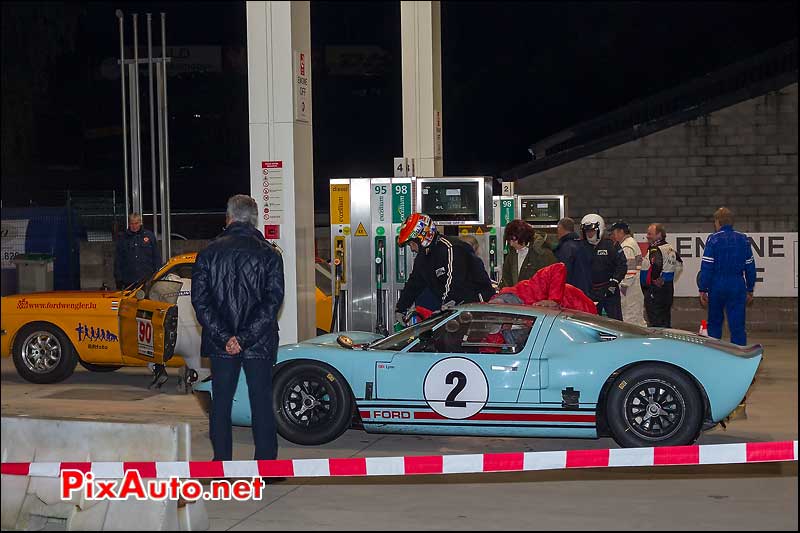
(715, 497)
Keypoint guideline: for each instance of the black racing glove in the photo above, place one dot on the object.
(611, 290)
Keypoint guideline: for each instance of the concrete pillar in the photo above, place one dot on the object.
(281, 155)
(421, 37)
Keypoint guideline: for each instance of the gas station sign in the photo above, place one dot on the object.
(340, 203)
(401, 202)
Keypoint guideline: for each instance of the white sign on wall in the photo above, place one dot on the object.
(14, 233)
(775, 256)
(302, 85)
(272, 181)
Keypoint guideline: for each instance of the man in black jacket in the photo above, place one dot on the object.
(448, 267)
(575, 255)
(237, 291)
(137, 255)
(609, 266)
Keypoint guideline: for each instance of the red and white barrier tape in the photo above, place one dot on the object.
(707, 454)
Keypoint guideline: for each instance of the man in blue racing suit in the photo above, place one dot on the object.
(727, 277)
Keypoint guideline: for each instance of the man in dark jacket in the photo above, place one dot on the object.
(137, 255)
(609, 266)
(237, 291)
(575, 255)
(448, 267)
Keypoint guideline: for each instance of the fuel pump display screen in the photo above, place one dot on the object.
(449, 201)
(541, 210)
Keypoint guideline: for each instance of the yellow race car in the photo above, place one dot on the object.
(48, 333)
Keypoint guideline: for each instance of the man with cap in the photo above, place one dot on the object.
(630, 290)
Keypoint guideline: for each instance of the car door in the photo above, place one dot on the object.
(149, 322)
(473, 359)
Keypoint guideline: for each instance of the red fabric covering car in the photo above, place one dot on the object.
(550, 283)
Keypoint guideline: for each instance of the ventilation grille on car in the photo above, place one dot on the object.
(687, 337)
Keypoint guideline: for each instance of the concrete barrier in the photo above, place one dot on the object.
(29, 503)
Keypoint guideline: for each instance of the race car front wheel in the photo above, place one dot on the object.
(654, 405)
(313, 404)
(42, 353)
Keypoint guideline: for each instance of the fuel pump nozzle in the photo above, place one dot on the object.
(338, 269)
(380, 277)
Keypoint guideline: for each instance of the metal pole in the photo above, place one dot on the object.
(138, 201)
(160, 100)
(166, 206)
(124, 115)
(135, 199)
(152, 123)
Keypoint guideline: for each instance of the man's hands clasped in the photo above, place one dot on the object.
(232, 346)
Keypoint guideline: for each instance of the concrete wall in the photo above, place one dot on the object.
(743, 157)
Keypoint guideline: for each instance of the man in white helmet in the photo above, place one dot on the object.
(630, 290)
(608, 266)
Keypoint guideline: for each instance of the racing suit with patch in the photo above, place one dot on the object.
(660, 270)
(608, 269)
(451, 270)
(727, 274)
(630, 290)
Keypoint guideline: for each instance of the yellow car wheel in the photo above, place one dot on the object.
(42, 353)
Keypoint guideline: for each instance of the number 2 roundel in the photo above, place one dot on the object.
(456, 388)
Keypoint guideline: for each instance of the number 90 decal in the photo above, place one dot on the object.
(144, 338)
(456, 388)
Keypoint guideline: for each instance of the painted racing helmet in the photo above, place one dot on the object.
(419, 228)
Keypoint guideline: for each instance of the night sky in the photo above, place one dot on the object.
(513, 73)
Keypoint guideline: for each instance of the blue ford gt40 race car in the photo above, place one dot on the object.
(510, 371)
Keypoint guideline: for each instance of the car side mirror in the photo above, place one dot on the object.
(346, 342)
(140, 294)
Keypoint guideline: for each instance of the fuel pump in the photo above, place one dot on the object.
(542, 211)
(504, 211)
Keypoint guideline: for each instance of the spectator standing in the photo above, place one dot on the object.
(660, 270)
(630, 289)
(574, 254)
(528, 253)
(727, 277)
(237, 291)
(137, 255)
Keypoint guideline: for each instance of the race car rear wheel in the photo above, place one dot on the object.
(654, 405)
(313, 404)
(42, 353)
(91, 367)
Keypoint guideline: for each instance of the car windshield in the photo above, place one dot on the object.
(135, 284)
(400, 340)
